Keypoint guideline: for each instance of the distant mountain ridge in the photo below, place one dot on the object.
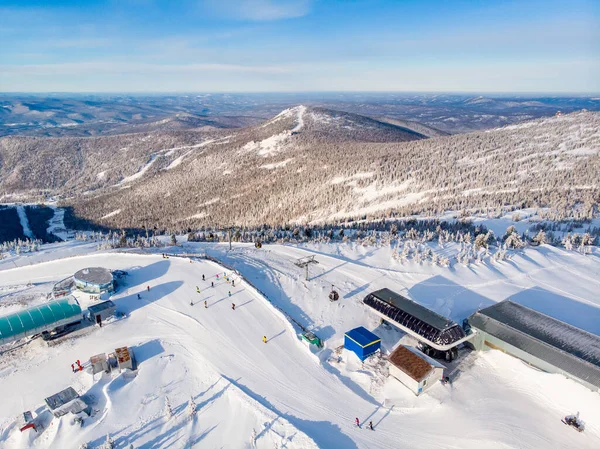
(306, 165)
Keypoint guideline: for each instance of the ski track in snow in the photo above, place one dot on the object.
(24, 222)
(300, 118)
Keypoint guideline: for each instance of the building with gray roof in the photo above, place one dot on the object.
(540, 340)
(425, 325)
(94, 280)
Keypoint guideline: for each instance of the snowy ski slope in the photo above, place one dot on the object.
(279, 394)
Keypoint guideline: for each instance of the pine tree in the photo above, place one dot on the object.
(109, 443)
(192, 408)
(168, 413)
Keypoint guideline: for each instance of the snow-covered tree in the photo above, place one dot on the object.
(168, 412)
(109, 442)
(191, 408)
(541, 238)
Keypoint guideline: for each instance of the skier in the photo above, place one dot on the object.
(203, 278)
(139, 297)
(264, 338)
(217, 277)
(229, 294)
(148, 287)
(371, 425)
(212, 284)
(205, 305)
(232, 306)
(232, 283)
(73, 367)
(191, 302)
(197, 289)
(357, 422)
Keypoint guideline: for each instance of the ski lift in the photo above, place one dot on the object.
(258, 244)
(333, 295)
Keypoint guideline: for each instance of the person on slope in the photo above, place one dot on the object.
(148, 287)
(229, 293)
(197, 289)
(232, 306)
(212, 284)
(205, 305)
(264, 338)
(357, 422)
(203, 278)
(139, 297)
(371, 425)
(232, 283)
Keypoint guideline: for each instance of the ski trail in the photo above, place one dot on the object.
(24, 222)
(300, 118)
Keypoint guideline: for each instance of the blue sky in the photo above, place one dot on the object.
(300, 45)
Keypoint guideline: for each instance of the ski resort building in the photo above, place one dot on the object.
(362, 342)
(542, 341)
(95, 280)
(66, 401)
(434, 331)
(417, 371)
(43, 318)
(101, 311)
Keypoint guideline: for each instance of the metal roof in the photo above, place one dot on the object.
(94, 275)
(61, 398)
(362, 336)
(39, 318)
(416, 310)
(426, 325)
(566, 347)
(96, 308)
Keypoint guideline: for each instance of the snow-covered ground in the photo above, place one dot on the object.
(275, 395)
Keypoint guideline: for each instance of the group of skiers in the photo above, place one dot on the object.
(370, 425)
(212, 284)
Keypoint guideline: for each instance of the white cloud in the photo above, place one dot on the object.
(259, 9)
(124, 67)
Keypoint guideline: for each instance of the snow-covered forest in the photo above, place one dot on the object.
(311, 165)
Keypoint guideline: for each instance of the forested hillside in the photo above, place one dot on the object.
(311, 164)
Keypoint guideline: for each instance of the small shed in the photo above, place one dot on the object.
(362, 342)
(66, 401)
(101, 311)
(99, 364)
(125, 358)
(414, 369)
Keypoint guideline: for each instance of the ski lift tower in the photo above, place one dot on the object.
(304, 262)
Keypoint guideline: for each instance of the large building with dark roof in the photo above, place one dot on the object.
(428, 327)
(540, 340)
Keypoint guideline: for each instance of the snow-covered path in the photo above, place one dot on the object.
(217, 355)
(24, 222)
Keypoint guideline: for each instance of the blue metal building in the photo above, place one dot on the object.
(362, 342)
